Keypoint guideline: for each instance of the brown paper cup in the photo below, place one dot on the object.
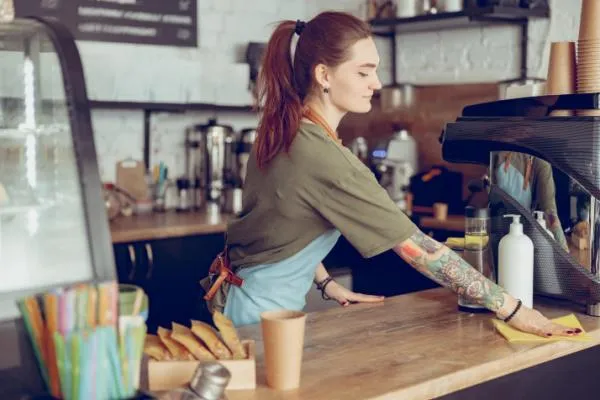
(588, 22)
(283, 336)
(440, 211)
(561, 69)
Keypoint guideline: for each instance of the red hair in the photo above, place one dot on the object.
(282, 89)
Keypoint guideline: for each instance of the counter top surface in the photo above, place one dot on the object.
(415, 346)
(173, 224)
(165, 225)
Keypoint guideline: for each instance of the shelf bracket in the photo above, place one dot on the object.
(524, 24)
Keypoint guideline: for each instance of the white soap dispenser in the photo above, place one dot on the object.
(515, 262)
(539, 217)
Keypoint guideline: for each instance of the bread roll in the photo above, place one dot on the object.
(186, 338)
(178, 352)
(210, 338)
(229, 335)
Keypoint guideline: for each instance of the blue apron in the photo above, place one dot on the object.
(511, 182)
(280, 285)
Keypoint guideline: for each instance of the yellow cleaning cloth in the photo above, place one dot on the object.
(513, 335)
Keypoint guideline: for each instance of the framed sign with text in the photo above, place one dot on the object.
(159, 22)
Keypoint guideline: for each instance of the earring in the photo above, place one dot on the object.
(326, 90)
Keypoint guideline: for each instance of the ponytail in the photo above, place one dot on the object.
(281, 103)
(282, 89)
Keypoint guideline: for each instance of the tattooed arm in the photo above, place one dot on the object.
(444, 266)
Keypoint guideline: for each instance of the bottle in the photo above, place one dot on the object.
(539, 217)
(477, 252)
(208, 382)
(515, 262)
(183, 185)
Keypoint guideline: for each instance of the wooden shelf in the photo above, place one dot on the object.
(167, 107)
(453, 20)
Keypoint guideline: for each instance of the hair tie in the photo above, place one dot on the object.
(299, 27)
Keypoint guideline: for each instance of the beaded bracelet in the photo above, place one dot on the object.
(517, 308)
(322, 285)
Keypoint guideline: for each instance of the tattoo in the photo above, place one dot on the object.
(444, 266)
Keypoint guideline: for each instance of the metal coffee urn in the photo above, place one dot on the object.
(207, 163)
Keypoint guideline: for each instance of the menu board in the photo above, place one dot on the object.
(160, 22)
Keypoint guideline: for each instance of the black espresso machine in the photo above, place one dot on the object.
(571, 145)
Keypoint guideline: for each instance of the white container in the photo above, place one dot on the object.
(407, 8)
(449, 5)
(515, 262)
(539, 217)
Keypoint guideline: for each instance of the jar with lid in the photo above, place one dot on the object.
(477, 251)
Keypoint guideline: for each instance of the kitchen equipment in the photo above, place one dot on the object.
(185, 194)
(215, 144)
(408, 8)
(247, 139)
(254, 55)
(477, 251)
(397, 96)
(394, 161)
(195, 169)
(438, 185)
(570, 145)
(449, 5)
(359, 147)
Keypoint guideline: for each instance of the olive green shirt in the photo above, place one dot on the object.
(543, 193)
(317, 186)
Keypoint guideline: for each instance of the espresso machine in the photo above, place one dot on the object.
(394, 162)
(571, 144)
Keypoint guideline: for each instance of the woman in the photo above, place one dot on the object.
(530, 182)
(303, 188)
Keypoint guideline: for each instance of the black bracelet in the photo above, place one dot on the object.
(322, 285)
(517, 308)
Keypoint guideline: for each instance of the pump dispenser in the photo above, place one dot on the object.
(539, 217)
(515, 262)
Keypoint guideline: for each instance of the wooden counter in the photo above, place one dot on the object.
(165, 225)
(415, 346)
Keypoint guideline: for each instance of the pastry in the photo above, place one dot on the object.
(178, 352)
(186, 338)
(229, 335)
(155, 349)
(210, 338)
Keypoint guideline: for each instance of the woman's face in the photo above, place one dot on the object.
(352, 83)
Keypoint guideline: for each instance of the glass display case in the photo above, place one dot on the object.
(53, 226)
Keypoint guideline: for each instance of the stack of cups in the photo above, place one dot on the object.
(561, 73)
(588, 52)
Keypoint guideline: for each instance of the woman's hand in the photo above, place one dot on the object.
(532, 321)
(345, 297)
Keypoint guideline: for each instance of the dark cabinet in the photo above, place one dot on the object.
(169, 271)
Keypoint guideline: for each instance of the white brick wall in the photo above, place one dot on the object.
(214, 72)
